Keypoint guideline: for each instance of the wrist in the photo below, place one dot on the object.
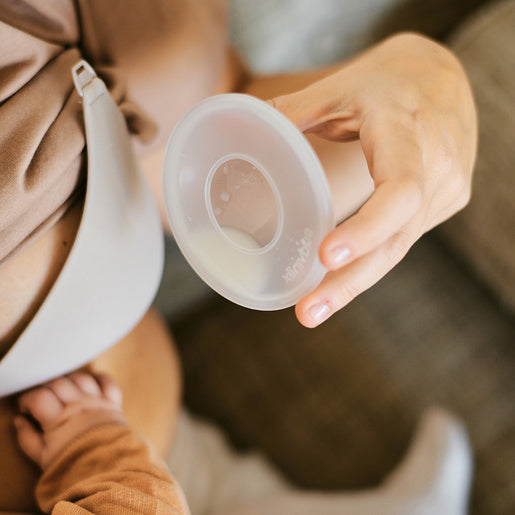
(74, 424)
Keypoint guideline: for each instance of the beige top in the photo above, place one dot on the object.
(142, 49)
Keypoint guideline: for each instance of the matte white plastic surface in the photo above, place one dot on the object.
(247, 201)
(114, 268)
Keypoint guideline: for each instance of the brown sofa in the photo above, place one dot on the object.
(335, 407)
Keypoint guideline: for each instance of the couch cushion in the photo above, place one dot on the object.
(483, 234)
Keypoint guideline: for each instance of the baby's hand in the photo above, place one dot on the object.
(59, 411)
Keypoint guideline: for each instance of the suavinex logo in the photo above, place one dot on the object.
(303, 246)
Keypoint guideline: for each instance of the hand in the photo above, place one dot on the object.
(409, 103)
(61, 410)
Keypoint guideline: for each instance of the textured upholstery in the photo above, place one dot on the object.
(483, 235)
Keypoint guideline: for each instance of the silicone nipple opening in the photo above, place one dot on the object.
(242, 203)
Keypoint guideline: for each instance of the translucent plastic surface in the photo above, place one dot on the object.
(247, 200)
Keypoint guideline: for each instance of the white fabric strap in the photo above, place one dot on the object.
(115, 265)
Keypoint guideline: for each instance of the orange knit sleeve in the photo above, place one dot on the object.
(109, 470)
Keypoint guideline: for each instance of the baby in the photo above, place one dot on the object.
(92, 462)
(73, 427)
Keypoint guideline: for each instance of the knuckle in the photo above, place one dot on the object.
(460, 188)
(463, 199)
(347, 291)
(410, 193)
(410, 101)
(465, 196)
(397, 248)
(462, 183)
(445, 159)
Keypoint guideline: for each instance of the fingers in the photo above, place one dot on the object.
(296, 106)
(398, 195)
(42, 404)
(46, 403)
(64, 389)
(341, 287)
(392, 205)
(29, 438)
(110, 388)
(323, 107)
(62, 409)
(87, 383)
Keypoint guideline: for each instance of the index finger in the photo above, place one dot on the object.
(392, 205)
(394, 158)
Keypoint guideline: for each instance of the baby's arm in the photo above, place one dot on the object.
(73, 428)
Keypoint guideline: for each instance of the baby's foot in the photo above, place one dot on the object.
(54, 414)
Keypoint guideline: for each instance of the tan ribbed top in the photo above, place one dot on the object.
(157, 57)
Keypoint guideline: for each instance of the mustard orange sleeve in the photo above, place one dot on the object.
(109, 470)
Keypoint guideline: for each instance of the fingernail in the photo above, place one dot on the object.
(339, 255)
(319, 312)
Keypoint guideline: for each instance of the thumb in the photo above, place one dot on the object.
(321, 108)
(29, 438)
(300, 107)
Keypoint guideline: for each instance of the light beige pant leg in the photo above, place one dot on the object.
(434, 477)
(213, 475)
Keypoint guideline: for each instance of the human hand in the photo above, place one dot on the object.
(61, 410)
(409, 103)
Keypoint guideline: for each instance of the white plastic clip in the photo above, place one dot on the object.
(82, 74)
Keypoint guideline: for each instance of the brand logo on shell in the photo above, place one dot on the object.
(303, 246)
